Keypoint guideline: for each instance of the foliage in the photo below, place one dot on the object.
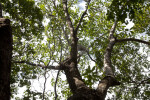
(47, 44)
(123, 8)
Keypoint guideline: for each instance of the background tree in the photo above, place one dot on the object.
(118, 55)
(5, 56)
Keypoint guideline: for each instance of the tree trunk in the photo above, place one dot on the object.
(85, 94)
(5, 58)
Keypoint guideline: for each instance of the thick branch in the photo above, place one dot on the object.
(73, 53)
(105, 84)
(112, 30)
(107, 57)
(133, 39)
(109, 79)
(71, 71)
(84, 13)
(39, 65)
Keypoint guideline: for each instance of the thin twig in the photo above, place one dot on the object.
(56, 85)
(91, 57)
(45, 1)
(44, 85)
(84, 13)
(39, 65)
(50, 57)
(142, 82)
(55, 90)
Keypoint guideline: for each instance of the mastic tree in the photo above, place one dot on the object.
(90, 44)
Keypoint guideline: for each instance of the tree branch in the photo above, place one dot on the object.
(74, 40)
(107, 56)
(39, 65)
(133, 39)
(112, 30)
(143, 82)
(91, 57)
(84, 13)
(104, 84)
(138, 83)
(56, 85)
(68, 16)
(109, 79)
(55, 90)
(44, 84)
(66, 35)
(71, 70)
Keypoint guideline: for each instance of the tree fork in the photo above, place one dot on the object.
(71, 71)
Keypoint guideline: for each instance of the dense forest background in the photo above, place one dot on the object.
(87, 41)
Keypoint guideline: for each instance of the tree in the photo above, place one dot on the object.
(87, 46)
(5, 56)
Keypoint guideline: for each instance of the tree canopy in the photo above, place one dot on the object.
(93, 45)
